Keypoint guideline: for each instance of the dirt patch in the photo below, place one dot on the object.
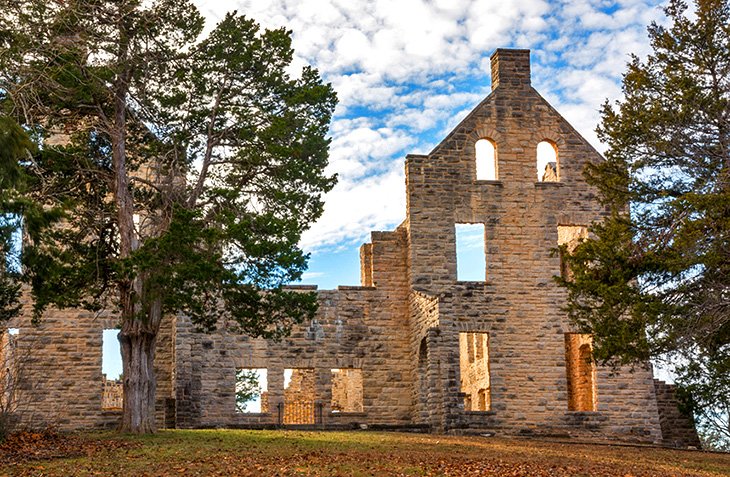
(27, 446)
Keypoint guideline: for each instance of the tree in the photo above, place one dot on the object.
(14, 145)
(173, 173)
(653, 281)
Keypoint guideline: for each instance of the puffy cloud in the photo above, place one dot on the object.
(407, 72)
(354, 208)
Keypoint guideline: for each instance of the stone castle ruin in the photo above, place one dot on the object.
(413, 346)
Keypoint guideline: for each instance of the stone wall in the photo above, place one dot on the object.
(519, 304)
(678, 427)
(424, 322)
(352, 330)
(112, 397)
(63, 380)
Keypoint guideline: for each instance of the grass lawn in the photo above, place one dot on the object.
(292, 453)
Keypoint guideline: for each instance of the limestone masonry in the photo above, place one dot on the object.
(413, 347)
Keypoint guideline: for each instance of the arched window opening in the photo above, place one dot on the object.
(581, 372)
(486, 154)
(547, 162)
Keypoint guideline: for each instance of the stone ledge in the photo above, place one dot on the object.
(354, 288)
(549, 184)
(470, 284)
(493, 182)
(480, 413)
(300, 287)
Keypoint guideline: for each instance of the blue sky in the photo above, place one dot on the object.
(407, 71)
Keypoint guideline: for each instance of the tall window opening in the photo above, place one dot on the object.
(299, 392)
(474, 364)
(347, 390)
(10, 371)
(423, 387)
(569, 237)
(471, 260)
(547, 162)
(581, 372)
(111, 369)
(252, 390)
(486, 155)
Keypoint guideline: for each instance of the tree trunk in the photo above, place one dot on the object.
(140, 382)
(139, 332)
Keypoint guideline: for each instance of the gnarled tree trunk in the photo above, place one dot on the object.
(140, 382)
(138, 339)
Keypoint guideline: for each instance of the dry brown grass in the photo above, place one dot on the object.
(293, 453)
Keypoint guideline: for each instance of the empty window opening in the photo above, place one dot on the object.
(10, 372)
(486, 160)
(547, 162)
(475, 379)
(9, 345)
(569, 237)
(111, 369)
(471, 261)
(423, 387)
(252, 390)
(299, 396)
(581, 372)
(347, 390)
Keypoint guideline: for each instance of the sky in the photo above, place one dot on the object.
(407, 71)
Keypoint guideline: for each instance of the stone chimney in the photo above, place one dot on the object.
(510, 68)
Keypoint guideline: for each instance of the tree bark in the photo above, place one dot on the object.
(140, 382)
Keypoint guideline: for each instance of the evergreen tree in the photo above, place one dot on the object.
(653, 281)
(14, 148)
(173, 173)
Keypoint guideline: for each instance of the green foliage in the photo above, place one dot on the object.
(225, 156)
(9, 294)
(248, 388)
(15, 147)
(654, 278)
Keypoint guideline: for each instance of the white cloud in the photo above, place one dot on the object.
(354, 208)
(312, 275)
(406, 72)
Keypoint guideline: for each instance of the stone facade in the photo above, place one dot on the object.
(678, 427)
(407, 328)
